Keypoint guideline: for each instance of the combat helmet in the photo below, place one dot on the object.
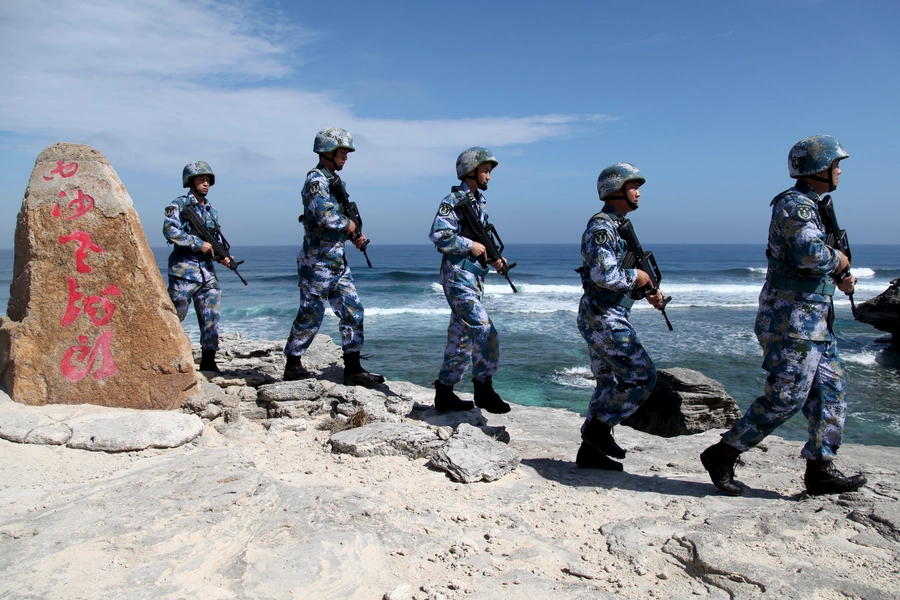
(614, 177)
(332, 138)
(813, 155)
(471, 159)
(198, 167)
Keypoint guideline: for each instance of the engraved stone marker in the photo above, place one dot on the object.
(89, 319)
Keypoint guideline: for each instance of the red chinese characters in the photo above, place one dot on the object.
(62, 169)
(91, 306)
(85, 357)
(86, 245)
(81, 205)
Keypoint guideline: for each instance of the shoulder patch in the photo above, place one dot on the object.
(314, 187)
(804, 213)
(601, 238)
(170, 211)
(445, 209)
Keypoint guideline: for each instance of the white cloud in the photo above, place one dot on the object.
(152, 83)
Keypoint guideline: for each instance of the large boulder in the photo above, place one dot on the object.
(883, 311)
(89, 320)
(685, 402)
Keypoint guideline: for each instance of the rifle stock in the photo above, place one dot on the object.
(486, 235)
(645, 261)
(221, 249)
(349, 210)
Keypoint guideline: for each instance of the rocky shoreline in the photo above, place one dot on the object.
(261, 488)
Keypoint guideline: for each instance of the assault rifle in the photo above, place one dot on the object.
(221, 247)
(486, 235)
(637, 258)
(836, 237)
(349, 210)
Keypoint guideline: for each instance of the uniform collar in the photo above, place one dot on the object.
(476, 193)
(807, 190)
(328, 174)
(608, 209)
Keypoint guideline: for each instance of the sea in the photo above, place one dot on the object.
(544, 361)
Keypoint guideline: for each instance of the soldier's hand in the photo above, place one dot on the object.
(478, 249)
(643, 280)
(226, 261)
(499, 264)
(206, 248)
(358, 242)
(656, 300)
(847, 285)
(351, 229)
(843, 262)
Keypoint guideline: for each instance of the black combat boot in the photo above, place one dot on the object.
(487, 398)
(445, 400)
(600, 435)
(591, 458)
(294, 369)
(208, 361)
(718, 460)
(822, 478)
(354, 374)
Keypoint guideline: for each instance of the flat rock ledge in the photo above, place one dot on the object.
(310, 489)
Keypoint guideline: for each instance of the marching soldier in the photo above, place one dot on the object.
(192, 275)
(794, 328)
(624, 373)
(322, 267)
(471, 334)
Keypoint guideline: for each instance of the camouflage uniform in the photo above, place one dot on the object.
(192, 274)
(623, 370)
(793, 326)
(471, 332)
(323, 270)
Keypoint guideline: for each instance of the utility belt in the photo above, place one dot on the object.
(796, 285)
(467, 265)
(321, 233)
(611, 298)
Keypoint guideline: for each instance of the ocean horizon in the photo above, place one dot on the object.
(544, 360)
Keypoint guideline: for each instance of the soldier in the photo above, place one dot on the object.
(624, 373)
(471, 334)
(794, 328)
(322, 266)
(192, 275)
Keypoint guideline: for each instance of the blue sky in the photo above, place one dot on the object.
(706, 98)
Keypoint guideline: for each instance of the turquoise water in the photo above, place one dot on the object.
(544, 361)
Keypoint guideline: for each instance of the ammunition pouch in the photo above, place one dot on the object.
(467, 265)
(820, 286)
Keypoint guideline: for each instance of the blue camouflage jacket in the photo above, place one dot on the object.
(446, 230)
(322, 219)
(603, 250)
(797, 248)
(186, 261)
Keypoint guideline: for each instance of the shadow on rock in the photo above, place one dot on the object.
(569, 474)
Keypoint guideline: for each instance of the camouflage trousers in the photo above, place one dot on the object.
(624, 373)
(471, 333)
(329, 281)
(206, 296)
(803, 374)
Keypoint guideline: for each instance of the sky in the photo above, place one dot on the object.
(705, 97)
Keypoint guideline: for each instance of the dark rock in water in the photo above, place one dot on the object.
(883, 311)
(685, 402)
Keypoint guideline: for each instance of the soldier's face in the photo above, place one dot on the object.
(200, 183)
(483, 175)
(835, 172)
(632, 191)
(340, 158)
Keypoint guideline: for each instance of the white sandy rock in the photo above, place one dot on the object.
(127, 431)
(471, 455)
